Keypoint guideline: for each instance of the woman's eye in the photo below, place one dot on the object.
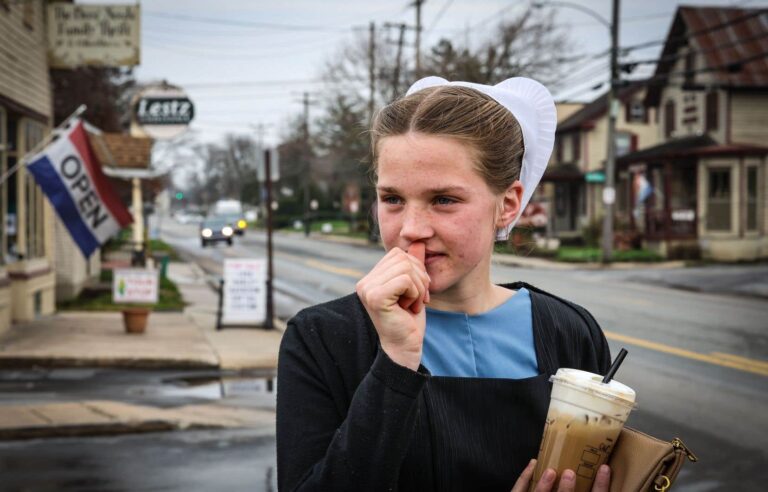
(391, 200)
(444, 200)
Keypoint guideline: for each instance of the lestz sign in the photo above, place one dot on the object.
(164, 111)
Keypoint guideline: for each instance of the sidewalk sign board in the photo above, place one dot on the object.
(244, 292)
(134, 285)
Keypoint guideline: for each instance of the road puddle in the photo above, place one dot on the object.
(223, 385)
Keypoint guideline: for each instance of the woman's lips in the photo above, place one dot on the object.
(432, 256)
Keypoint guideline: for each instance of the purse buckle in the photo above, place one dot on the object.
(667, 484)
(677, 443)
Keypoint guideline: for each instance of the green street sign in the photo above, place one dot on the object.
(595, 177)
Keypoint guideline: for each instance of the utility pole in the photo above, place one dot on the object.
(402, 27)
(398, 61)
(269, 322)
(307, 165)
(418, 4)
(609, 191)
(371, 71)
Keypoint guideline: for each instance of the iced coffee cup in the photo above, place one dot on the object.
(584, 420)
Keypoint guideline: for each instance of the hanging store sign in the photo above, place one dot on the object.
(594, 177)
(161, 112)
(93, 35)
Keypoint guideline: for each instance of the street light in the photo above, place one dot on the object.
(609, 190)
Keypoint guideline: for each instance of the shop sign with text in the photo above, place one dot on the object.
(93, 35)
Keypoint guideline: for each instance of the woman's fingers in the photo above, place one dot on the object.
(567, 481)
(395, 263)
(546, 481)
(602, 480)
(521, 485)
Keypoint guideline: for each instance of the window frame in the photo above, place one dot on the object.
(30, 133)
(729, 200)
(631, 116)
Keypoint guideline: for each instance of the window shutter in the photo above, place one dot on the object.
(633, 143)
(669, 118)
(711, 111)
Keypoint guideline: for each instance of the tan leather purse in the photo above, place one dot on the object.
(640, 462)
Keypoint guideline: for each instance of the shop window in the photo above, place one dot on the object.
(34, 230)
(752, 198)
(719, 199)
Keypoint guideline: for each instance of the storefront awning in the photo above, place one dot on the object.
(695, 146)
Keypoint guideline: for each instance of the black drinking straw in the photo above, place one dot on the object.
(615, 366)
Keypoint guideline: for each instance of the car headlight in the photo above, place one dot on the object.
(241, 224)
(227, 231)
(207, 233)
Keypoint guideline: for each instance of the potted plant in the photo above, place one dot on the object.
(133, 289)
(135, 319)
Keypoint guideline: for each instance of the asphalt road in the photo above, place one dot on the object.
(199, 461)
(699, 361)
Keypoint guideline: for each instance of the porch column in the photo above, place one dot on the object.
(138, 215)
(667, 204)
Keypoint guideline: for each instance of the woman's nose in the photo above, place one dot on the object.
(416, 224)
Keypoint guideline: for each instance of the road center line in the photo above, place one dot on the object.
(347, 272)
(716, 358)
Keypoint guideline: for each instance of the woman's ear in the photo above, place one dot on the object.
(510, 205)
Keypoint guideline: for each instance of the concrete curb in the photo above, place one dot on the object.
(545, 264)
(98, 418)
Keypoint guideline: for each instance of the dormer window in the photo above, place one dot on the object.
(636, 112)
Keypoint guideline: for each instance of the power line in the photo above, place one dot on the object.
(675, 56)
(438, 16)
(239, 23)
(687, 36)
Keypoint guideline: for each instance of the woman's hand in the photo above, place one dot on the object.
(567, 480)
(393, 294)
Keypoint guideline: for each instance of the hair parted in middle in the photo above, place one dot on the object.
(468, 115)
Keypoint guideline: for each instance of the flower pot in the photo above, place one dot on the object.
(135, 319)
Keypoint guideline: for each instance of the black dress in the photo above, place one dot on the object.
(349, 418)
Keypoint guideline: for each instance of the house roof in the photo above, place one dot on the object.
(699, 145)
(563, 172)
(122, 151)
(596, 108)
(722, 36)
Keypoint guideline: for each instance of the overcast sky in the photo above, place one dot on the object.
(246, 62)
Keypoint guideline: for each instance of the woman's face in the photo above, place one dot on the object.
(428, 190)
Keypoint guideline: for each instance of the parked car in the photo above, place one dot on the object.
(215, 229)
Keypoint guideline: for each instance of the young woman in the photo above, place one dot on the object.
(430, 377)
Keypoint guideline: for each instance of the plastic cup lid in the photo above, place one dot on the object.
(592, 383)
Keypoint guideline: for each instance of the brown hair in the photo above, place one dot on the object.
(464, 114)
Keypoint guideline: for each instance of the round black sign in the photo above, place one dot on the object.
(164, 111)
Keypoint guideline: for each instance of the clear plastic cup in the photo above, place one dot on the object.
(584, 420)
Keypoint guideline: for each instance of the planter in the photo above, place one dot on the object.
(135, 319)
